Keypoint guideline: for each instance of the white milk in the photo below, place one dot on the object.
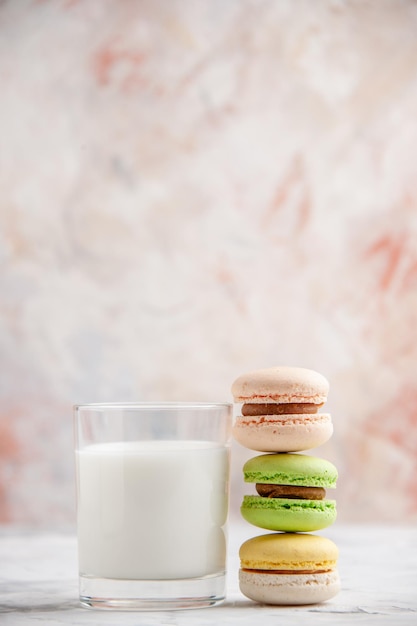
(152, 510)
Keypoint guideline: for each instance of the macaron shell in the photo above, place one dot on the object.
(289, 589)
(288, 551)
(284, 514)
(281, 384)
(292, 433)
(290, 469)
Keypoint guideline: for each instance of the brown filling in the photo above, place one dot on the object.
(290, 491)
(279, 409)
(285, 571)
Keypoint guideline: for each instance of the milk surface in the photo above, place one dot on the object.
(152, 510)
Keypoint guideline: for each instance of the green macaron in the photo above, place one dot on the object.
(292, 492)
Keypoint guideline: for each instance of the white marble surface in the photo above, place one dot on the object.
(378, 567)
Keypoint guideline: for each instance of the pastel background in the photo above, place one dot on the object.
(193, 189)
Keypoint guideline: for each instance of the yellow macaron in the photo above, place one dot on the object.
(289, 568)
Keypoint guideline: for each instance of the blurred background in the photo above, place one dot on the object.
(192, 190)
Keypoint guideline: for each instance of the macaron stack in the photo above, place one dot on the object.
(280, 417)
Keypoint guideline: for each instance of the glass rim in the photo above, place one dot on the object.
(132, 406)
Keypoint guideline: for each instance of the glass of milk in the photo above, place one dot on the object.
(152, 504)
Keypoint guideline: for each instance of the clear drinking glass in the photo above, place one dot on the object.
(152, 504)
